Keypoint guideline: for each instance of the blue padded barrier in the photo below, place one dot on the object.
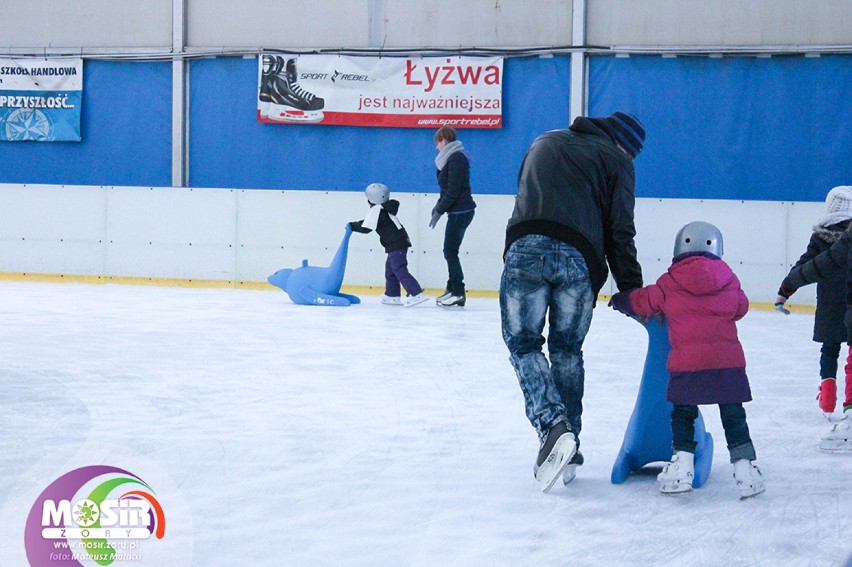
(648, 437)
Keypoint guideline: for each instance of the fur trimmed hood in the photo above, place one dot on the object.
(831, 233)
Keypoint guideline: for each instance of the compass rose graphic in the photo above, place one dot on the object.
(27, 124)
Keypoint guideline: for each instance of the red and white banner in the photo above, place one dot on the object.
(413, 92)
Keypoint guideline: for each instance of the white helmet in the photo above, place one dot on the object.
(377, 193)
(699, 236)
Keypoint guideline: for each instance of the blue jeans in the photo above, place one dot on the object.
(457, 224)
(543, 277)
(733, 422)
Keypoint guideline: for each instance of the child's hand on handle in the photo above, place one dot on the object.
(621, 303)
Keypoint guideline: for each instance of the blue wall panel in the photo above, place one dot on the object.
(230, 148)
(125, 128)
(777, 129)
(730, 128)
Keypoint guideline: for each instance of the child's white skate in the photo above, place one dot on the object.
(749, 478)
(413, 300)
(678, 474)
(839, 439)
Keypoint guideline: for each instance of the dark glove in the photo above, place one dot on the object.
(435, 216)
(621, 303)
(783, 296)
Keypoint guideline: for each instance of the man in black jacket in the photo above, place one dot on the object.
(573, 216)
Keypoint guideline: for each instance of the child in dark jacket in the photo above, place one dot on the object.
(829, 328)
(702, 299)
(826, 265)
(394, 238)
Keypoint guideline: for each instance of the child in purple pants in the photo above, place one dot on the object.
(394, 239)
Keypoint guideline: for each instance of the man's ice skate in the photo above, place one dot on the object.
(571, 470)
(678, 474)
(281, 98)
(749, 478)
(839, 439)
(827, 396)
(554, 456)
(391, 300)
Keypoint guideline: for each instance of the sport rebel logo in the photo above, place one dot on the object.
(106, 525)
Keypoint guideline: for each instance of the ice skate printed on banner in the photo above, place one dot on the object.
(281, 99)
(385, 92)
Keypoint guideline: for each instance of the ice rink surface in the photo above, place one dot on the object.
(278, 435)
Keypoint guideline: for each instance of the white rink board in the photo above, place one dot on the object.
(245, 235)
(762, 239)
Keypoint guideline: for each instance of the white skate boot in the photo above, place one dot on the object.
(554, 455)
(413, 300)
(749, 478)
(678, 474)
(839, 439)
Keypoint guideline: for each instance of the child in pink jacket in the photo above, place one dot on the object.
(701, 298)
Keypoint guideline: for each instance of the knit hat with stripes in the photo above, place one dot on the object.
(628, 131)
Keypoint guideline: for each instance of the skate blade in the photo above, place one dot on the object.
(744, 496)
(552, 468)
(569, 474)
(675, 488)
(839, 446)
